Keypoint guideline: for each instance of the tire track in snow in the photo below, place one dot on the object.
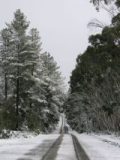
(52, 151)
(80, 153)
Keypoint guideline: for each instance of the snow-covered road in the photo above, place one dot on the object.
(66, 150)
(34, 148)
(97, 147)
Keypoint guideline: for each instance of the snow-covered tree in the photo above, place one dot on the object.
(96, 78)
(31, 84)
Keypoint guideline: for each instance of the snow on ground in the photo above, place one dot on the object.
(66, 150)
(97, 149)
(22, 134)
(111, 139)
(13, 149)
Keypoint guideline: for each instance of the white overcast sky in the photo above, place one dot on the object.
(62, 25)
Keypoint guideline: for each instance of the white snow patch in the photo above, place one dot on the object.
(13, 149)
(97, 149)
(22, 134)
(111, 139)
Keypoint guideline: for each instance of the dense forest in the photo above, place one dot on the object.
(93, 103)
(31, 85)
(32, 88)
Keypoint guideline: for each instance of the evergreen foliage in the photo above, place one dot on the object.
(94, 100)
(30, 81)
(106, 2)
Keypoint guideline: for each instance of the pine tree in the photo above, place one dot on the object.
(53, 83)
(32, 83)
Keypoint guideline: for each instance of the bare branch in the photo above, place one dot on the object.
(96, 24)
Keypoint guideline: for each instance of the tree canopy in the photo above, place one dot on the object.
(31, 85)
(94, 100)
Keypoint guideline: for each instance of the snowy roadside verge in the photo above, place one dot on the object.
(111, 139)
(8, 134)
(15, 148)
(97, 149)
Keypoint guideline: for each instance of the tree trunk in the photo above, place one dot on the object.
(17, 98)
(6, 87)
